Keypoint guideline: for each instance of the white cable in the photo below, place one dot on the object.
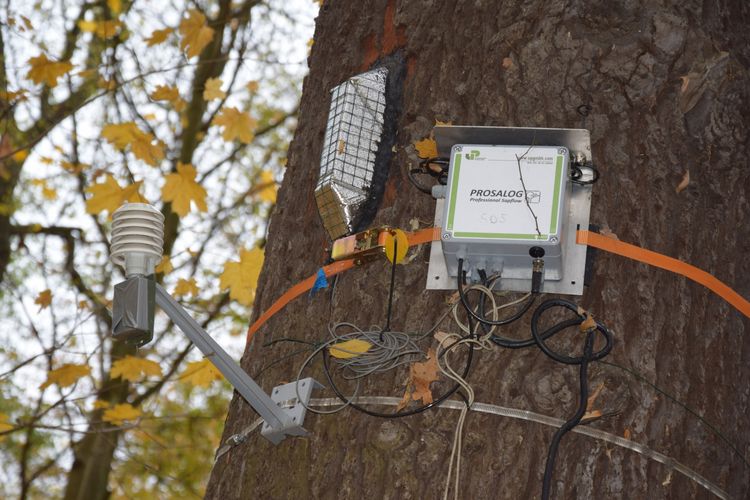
(448, 344)
(528, 416)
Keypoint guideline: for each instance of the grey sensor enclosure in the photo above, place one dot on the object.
(133, 310)
(564, 259)
(502, 202)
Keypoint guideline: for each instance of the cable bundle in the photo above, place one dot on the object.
(389, 349)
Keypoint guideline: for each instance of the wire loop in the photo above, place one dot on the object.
(539, 338)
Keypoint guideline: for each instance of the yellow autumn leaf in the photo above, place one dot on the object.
(103, 29)
(100, 405)
(4, 425)
(45, 71)
(158, 36)
(242, 277)
(165, 93)
(252, 86)
(133, 368)
(195, 33)
(171, 94)
(44, 299)
(349, 348)
(164, 266)
(213, 89)
(105, 84)
(141, 143)
(27, 23)
(13, 95)
(68, 374)
(200, 373)
(186, 287)
(426, 148)
(74, 168)
(20, 155)
(180, 188)
(115, 6)
(48, 193)
(268, 193)
(121, 413)
(108, 195)
(237, 125)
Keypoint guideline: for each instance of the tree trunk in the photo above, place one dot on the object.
(666, 90)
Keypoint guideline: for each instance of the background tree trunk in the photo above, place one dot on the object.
(667, 87)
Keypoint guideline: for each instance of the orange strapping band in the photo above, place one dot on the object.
(658, 260)
(415, 238)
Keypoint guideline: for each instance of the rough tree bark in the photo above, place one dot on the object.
(667, 85)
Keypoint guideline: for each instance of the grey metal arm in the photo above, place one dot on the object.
(283, 412)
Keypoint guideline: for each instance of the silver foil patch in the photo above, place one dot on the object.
(347, 165)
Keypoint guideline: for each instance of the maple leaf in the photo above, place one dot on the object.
(349, 348)
(195, 34)
(252, 86)
(426, 148)
(186, 287)
(48, 192)
(165, 93)
(213, 89)
(4, 425)
(45, 71)
(180, 188)
(133, 368)
(74, 168)
(100, 405)
(103, 29)
(126, 134)
(108, 195)
(237, 125)
(158, 36)
(119, 414)
(421, 375)
(683, 183)
(242, 277)
(44, 299)
(268, 193)
(66, 375)
(115, 6)
(200, 373)
(171, 94)
(164, 266)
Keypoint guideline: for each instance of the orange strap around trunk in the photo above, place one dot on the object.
(583, 237)
(415, 238)
(658, 260)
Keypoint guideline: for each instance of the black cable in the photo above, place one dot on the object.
(717, 432)
(403, 413)
(440, 174)
(514, 343)
(506, 321)
(583, 361)
(560, 358)
(410, 173)
(574, 420)
(390, 291)
(576, 173)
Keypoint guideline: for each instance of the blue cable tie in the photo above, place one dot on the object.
(320, 281)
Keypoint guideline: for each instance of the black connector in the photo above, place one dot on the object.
(537, 276)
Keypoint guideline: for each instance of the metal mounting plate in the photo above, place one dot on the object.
(579, 143)
(285, 396)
